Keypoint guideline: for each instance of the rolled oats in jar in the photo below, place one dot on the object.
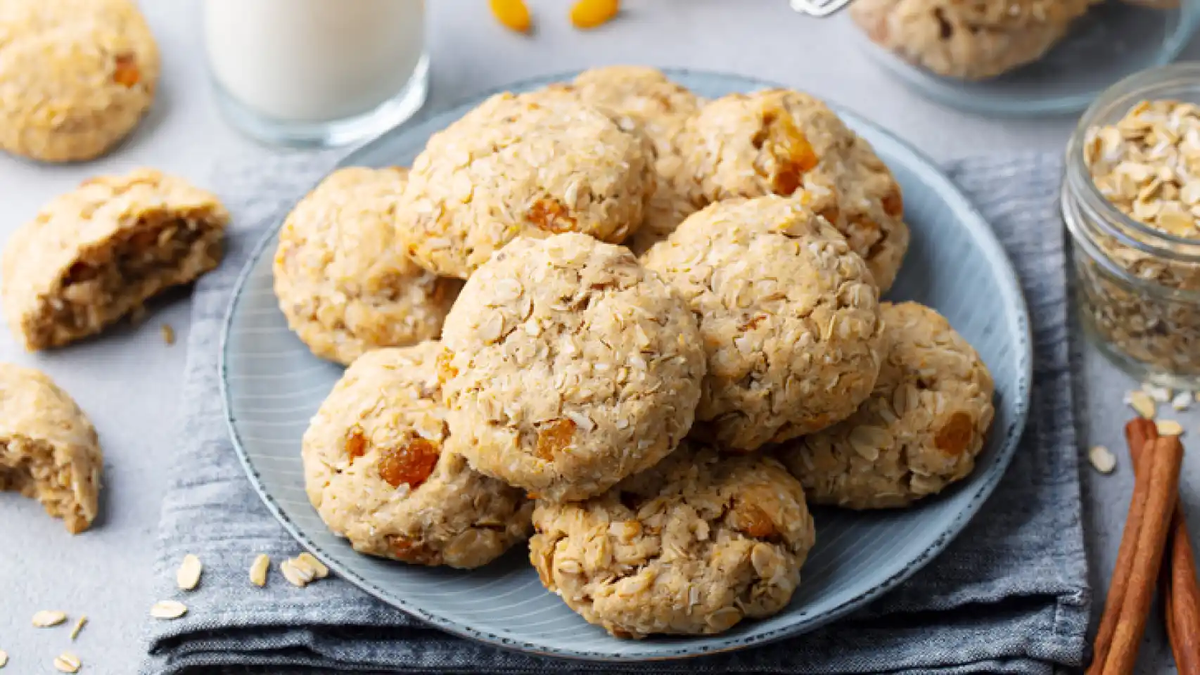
(1131, 201)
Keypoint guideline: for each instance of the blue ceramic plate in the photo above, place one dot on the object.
(272, 386)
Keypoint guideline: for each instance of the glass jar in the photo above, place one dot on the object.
(1137, 286)
(317, 72)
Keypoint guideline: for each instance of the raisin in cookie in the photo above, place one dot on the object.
(780, 141)
(343, 282)
(691, 546)
(967, 40)
(788, 313)
(378, 473)
(918, 432)
(530, 165)
(48, 448)
(76, 76)
(93, 255)
(660, 107)
(568, 367)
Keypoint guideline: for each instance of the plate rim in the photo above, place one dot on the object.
(982, 233)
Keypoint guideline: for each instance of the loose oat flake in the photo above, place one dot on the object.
(78, 626)
(3, 658)
(310, 561)
(49, 617)
(258, 569)
(296, 576)
(168, 333)
(1141, 402)
(67, 662)
(189, 571)
(168, 609)
(1182, 401)
(1102, 459)
(1169, 428)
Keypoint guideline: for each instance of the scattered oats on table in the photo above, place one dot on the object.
(3, 658)
(259, 569)
(188, 574)
(48, 617)
(67, 662)
(1142, 403)
(1182, 401)
(1102, 459)
(1169, 428)
(168, 609)
(168, 333)
(79, 626)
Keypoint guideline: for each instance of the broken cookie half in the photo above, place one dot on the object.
(94, 255)
(48, 448)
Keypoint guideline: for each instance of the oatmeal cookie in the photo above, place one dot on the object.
(377, 470)
(918, 432)
(97, 253)
(691, 546)
(342, 280)
(76, 76)
(967, 40)
(523, 165)
(780, 141)
(568, 367)
(788, 313)
(660, 107)
(48, 448)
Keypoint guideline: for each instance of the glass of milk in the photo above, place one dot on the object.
(317, 72)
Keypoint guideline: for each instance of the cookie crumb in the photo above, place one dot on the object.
(258, 569)
(168, 609)
(188, 574)
(1102, 459)
(67, 662)
(48, 617)
(168, 333)
(78, 626)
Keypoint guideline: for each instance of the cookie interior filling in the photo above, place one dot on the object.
(28, 467)
(106, 283)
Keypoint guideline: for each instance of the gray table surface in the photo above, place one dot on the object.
(129, 380)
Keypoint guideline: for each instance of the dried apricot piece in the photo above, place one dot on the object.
(893, 203)
(753, 521)
(794, 155)
(551, 215)
(410, 463)
(126, 72)
(587, 14)
(411, 551)
(553, 437)
(512, 14)
(356, 443)
(953, 437)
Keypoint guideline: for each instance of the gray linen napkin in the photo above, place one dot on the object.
(1009, 595)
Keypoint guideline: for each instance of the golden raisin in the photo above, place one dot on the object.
(410, 551)
(126, 72)
(587, 14)
(551, 215)
(411, 463)
(356, 443)
(512, 14)
(445, 370)
(789, 146)
(753, 521)
(553, 437)
(893, 203)
(954, 436)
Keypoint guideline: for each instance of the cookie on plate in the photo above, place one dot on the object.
(660, 107)
(568, 367)
(377, 470)
(692, 546)
(523, 165)
(48, 448)
(920, 430)
(788, 312)
(343, 282)
(95, 254)
(76, 76)
(779, 142)
(967, 40)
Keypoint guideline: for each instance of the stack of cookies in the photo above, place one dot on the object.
(660, 339)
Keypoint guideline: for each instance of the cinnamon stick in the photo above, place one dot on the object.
(1180, 591)
(1157, 475)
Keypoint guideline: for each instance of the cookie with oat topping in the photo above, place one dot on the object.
(568, 366)
(76, 76)
(967, 40)
(343, 282)
(691, 546)
(789, 316)
(523, 165)
(377, 470)
(920, 430)
(48, 448)
(94, 255)
(781, 142)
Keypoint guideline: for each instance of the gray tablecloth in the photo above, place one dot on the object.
(1009, 595)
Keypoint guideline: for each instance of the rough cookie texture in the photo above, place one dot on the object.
(343, 282)
(779, 142)
(789, 316)
(76, 76)
(691, 546)
(377, 471)
(967, 40)
(523, 165)
(568, 367)
(660, 107)
(97, 253)
(48, 448)
(918, 432)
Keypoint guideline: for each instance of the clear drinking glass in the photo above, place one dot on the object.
(317, 72)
